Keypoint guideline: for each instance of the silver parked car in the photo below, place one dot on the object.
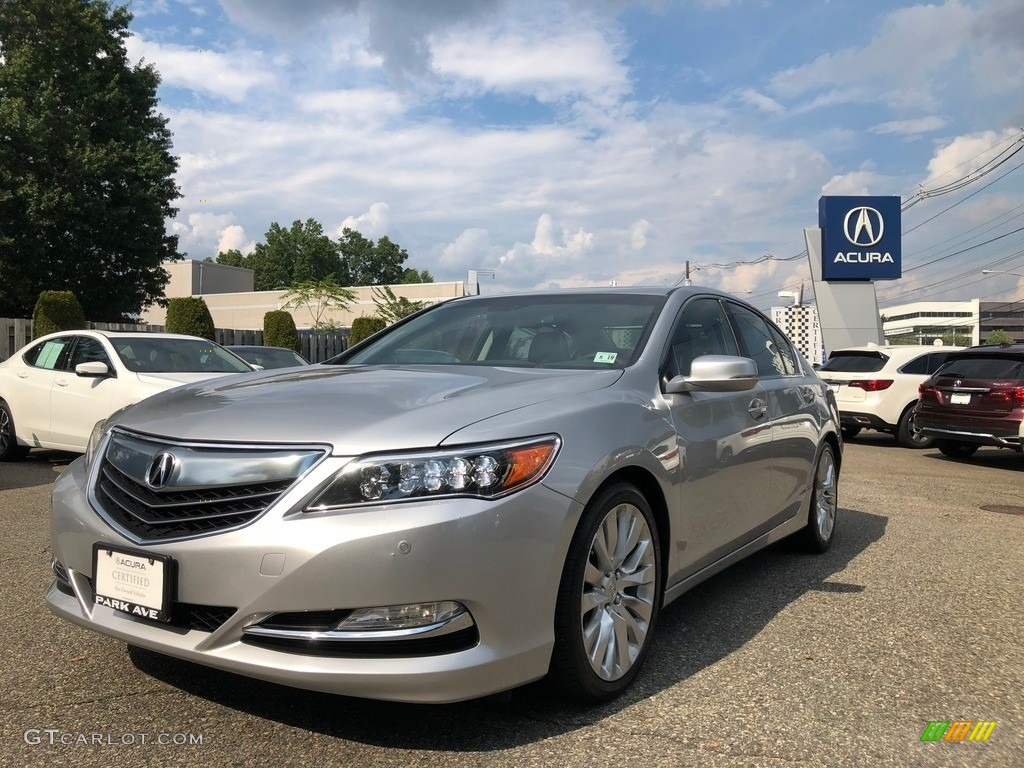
(495, 489)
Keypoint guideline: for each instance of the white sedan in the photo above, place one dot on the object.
(54, 390)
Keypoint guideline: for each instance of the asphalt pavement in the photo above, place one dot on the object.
(786, 659)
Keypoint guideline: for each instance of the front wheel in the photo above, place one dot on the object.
(955, 449)
(609, 597)
(821, 520)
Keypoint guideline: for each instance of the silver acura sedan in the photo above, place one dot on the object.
(491, 491)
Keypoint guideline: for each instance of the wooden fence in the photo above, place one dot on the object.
(314, 346)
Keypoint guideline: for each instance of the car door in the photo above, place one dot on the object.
(793, 411)
(724, 443)
(30, 401)
(78, 402)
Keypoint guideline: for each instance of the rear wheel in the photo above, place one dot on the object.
(955, 449)
(9, 448)
(907, 434)
(821, 521)
(849, 432)
(609, 597)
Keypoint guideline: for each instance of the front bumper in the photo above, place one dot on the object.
(501, 559)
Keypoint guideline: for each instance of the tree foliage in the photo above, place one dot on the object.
(56, 311)
(391, 308)
(303, 253)
(87, 176)
(999, 336)
(318, 297)
(364, 328)
(191, 316)
(279, 330)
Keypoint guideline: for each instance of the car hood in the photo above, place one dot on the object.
(176, 378)
(357, 409)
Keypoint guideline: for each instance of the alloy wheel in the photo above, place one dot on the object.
(619, 590)
(826, 496)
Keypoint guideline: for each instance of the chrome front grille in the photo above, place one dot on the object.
(207, 490)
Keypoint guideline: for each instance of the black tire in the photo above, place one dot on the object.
(607, 583)
(820, 530)
(9, 448)
(955, 449)
(906, 435)
(849, 432)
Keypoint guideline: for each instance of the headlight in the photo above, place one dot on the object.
(95, 438)
(98, 432)
(482, 471)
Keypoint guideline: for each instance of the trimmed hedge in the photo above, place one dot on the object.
(279, 330)
(191, 316)
(364, 328)
(56, 311)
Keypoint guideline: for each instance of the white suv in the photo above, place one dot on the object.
(876, 387)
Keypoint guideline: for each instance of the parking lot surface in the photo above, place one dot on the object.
(914, 616)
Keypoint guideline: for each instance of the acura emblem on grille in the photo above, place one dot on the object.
(160, 470)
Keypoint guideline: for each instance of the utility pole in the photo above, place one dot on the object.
(686, 275)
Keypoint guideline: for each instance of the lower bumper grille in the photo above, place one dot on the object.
(453, 642)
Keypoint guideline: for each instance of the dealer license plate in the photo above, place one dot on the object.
(958, 398)
(133, 582)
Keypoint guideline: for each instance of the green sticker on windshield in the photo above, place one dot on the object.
(605, 357)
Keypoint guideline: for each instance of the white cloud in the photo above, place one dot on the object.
(205, 233)
(915, 126)
(895, 67)
(354, 106)
(229, 76)
(534, 62)
(233, 238)
(964, 155)
(761, 102)
(638, 234)
(862, 182)
(472, 249)
(373, 224)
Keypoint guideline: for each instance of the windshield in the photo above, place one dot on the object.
(269, 357)
(155, 354)
(586, 331)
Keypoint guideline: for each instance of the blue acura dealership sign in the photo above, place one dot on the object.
(860, 238)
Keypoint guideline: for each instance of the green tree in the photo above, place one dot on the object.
(231, 258)
(391, 308)
(416, 276)
(56, 311)
(364, 263)
(999, 336)
(191, 316)
(364, 328)
(279, 330)
(87, 176)
(290, 256)
(318, 297)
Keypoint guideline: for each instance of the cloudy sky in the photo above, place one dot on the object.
(579, 142)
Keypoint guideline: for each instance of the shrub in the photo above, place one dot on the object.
(364, 327)
(191, 316)
(56, 311)
(279, 330)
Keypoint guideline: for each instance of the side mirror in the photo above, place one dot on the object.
(92, 370)
(716, 373)
(256, 367)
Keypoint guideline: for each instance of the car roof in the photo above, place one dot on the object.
(987, 349)
(120, 335)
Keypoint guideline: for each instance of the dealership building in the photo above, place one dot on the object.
(974, 320)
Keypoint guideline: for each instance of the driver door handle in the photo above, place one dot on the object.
(757, 408)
